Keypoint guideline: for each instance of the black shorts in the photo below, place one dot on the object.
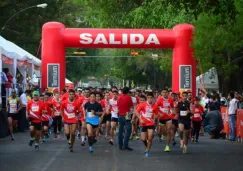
(93, 126)
(186, 123)
(37, 126)
(45, 123)
(163, 122)
(106, 118)
(114, 120)
(175, 122)
(145, 128)
(14, 116)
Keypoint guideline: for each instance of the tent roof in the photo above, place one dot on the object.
(67, 81)
(11, 50)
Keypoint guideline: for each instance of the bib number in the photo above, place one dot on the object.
(148, 115)
(196, 115)
(71, 115)
(183, 113)
(90, 114)
(13, 108)
(57, 113)
(35, 108)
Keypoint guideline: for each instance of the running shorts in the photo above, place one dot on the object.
(186, 123)
(114, 120)
(145, 128)
(163, 122)
(106, 118)
(37, 126)
(93, 126)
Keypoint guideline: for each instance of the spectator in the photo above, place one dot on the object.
(223, 100)
(22, 117)
(8, 84)
(124, 105)
(232, 115)
(213, 123)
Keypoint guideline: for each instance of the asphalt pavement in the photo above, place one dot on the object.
(207, 155)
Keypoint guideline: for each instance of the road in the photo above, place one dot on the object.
(207, 155)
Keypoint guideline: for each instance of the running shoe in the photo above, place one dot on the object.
(12, 138)
(174, 143)
(147, 154)
(111, 142)
(69, 142)
(167, 149)
(181, 142)
(137, 137)
(36, 147)
(91, 149)
(31, 142)
(131, 137)
(185, 149)
(83, 143)
(70, 148)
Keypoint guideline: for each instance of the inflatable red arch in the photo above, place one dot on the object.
(55, 38)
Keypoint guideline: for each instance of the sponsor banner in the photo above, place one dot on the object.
(185, 77)
(7, 60)
(53, 75)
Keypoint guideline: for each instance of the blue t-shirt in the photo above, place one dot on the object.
(90, 118)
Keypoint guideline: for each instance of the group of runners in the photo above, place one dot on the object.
(88, 114)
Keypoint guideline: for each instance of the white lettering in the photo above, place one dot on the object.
(187, 78)
(112, 40)
(133, 40)
(86, 38)
(124, 39)
(55, 76)
(100, 39)
(152, 39)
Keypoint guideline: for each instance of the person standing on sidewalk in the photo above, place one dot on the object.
(232, 115)
(124, 105)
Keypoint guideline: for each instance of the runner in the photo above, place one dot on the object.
(134, 124)
(197, 112)
(165, 106)
(98, 99)
(82, 102)
(146, 113)
(106, 122)
(69, 112)
(92, 110)
(174, 118)
(114, 115)
(46, 117)
(184, 121)
(33, 113)
(56, 114)
(13, 108)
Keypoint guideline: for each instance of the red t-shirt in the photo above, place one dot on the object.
(197, 113)
(124, 104)
(165, 106)
(82, 101)
(147, 112)
(70, 111)
(56, 105)
(34, 110)
(47, 112)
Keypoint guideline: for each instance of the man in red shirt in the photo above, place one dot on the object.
(46, 117)
(69, 112)
(56, 114)
(165, 107)
(124, 104)
(146, 113)
(33, 113)
(197, 112)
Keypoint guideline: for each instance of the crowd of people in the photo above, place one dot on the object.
(89, 113)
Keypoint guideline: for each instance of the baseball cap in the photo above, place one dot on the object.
(35, 93)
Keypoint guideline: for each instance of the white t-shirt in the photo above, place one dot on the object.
(204, 101)
(134, 101)
(232, 106)
(114, 108)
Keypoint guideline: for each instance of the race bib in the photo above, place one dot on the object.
(90, 114)
(114, 115)
(164, 110)
(71, 115)
(13, 108)
(35, 108)
(183, 113)
(57, 113)
(148, 115)
(196, 115)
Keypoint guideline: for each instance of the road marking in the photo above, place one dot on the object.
(53, 158)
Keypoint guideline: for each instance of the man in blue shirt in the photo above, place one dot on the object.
(93, 111)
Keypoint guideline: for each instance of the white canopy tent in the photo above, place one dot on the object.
(9, 50)
(208, 79)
